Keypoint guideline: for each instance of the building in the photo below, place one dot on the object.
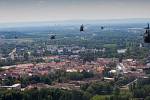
(13, 87)
(121, 51)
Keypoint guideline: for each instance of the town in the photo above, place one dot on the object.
(100, 69)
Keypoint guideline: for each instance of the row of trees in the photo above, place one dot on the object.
(43, 94)
(93, 91)
(58, 94)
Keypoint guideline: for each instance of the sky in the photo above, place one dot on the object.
(58, 10)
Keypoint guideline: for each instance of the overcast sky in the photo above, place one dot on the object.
(54, 10)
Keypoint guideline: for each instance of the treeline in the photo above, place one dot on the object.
(93, 91)
(43, 94)
(57, 94)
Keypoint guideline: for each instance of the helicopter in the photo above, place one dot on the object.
(81, 28)
(15, 37)
(102, 27)
(52, 37)
(147, 34)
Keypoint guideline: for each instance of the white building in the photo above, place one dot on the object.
(15, 87)
(120, 51)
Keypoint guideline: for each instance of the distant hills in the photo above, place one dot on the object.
(4, 26)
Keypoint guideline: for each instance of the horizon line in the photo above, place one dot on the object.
(74, 20)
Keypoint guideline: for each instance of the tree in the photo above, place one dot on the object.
(75, 76)
(139, 93)
(100, 88)
(87, 74)
(76, 95)
(116, 91)
(87, 96)
(98, 97)
(26, 56)
(147, 98)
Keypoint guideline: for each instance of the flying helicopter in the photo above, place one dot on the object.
(16, 37)
(82, 28)
(52, 37)
(147, 34)
(102, 27)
